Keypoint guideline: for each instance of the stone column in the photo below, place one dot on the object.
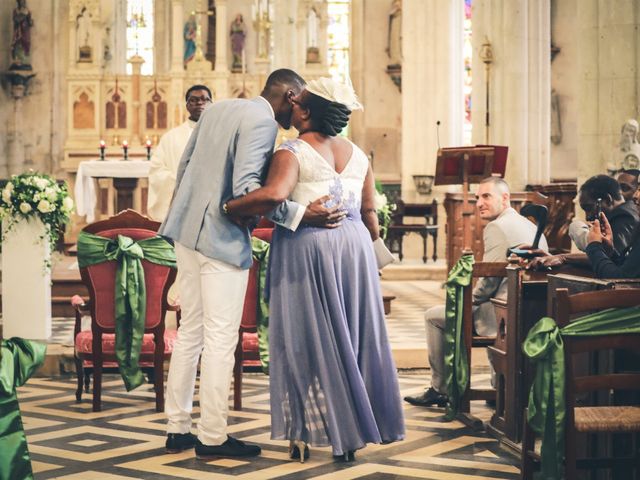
(431, 85)
(136, 64)
(222, 32)
(609, 79)
(177, 43)
(519, 33)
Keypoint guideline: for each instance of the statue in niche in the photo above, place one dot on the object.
(83, 35)
(190, 33)
(21, 41)
(313, 52)
(628, 156)
(238, 35)
(556, 126)
(394, 34)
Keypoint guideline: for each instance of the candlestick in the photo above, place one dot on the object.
(244, 63)
(148, 149)
(125, 149)
(103, 144)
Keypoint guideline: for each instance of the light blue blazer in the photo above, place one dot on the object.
(226, 157)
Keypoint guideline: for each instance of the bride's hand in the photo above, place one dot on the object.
(318, 215)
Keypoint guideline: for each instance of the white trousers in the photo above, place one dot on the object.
(211, 300)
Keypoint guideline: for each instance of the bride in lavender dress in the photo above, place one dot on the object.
(333, 380)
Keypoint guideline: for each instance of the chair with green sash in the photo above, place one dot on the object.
(561, 396)
(128, 271)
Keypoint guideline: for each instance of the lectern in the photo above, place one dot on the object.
(466, 165)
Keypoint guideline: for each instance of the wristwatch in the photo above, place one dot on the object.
(225, 208)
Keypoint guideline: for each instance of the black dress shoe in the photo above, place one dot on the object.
(349, 456)
(177, 442)
(232, 447)
(428, 398)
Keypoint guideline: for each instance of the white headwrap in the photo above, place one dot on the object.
(333, 91)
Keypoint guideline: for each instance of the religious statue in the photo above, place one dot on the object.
(83, 35)
(238, 34)
(313, 52)
(394, 36)
(21, 42)
(190, 33)
(629, 146)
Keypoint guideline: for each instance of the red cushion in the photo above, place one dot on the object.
(84, 342)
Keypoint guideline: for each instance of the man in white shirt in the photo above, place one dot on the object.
(166, 157)
(506, 229)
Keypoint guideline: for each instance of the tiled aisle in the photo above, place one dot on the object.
(126, 440)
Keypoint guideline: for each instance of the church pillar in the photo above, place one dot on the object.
(177, 44)
(520, 84)
(222, 31)
(431, 85)
(609, 79)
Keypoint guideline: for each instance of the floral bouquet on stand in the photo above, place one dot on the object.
(35, 195)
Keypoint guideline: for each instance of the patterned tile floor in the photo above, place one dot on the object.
(126, 440)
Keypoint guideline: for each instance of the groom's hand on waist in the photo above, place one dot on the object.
(318, 215)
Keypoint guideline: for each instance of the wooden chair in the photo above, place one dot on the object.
(591, 419)
(471, 340)
(95, 348)
(247, 354)
(399, 228)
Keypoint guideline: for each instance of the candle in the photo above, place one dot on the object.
(103, 144)
(125, 148)
(148, 143)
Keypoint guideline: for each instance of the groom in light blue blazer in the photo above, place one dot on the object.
(226, 157)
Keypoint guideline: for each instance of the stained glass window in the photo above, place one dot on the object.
(338, 39)
(140, 33)
(466, 54)
(338, 43)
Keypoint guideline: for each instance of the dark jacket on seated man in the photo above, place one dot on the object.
(623, 219)
(626, 265)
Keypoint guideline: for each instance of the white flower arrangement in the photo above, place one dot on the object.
(36, 195)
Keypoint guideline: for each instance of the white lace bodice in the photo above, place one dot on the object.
(318, 178)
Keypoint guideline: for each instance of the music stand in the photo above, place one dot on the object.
(466, 165)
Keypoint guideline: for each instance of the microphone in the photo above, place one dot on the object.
(438, 133)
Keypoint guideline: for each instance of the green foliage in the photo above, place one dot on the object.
(384, 210)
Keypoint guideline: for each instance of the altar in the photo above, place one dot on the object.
(124, 174)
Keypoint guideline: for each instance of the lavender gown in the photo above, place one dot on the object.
(332, 377)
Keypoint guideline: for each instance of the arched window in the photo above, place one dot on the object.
(140, 33)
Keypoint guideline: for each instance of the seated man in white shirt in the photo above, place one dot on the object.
(506, 229)
(166, 156)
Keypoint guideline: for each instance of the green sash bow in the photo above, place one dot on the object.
(130, 291)
(260, 250)
(456, 371)
(19, 359)
(545, 348)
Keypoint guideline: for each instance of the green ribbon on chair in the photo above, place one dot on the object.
(19, 359)
(260, 250)
(545, 348)
(130, 291)
(456, 371)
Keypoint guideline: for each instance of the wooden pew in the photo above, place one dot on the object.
(531, 295)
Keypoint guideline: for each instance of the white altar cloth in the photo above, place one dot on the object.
(85, 189)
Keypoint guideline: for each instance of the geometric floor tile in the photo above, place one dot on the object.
(126, 440)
